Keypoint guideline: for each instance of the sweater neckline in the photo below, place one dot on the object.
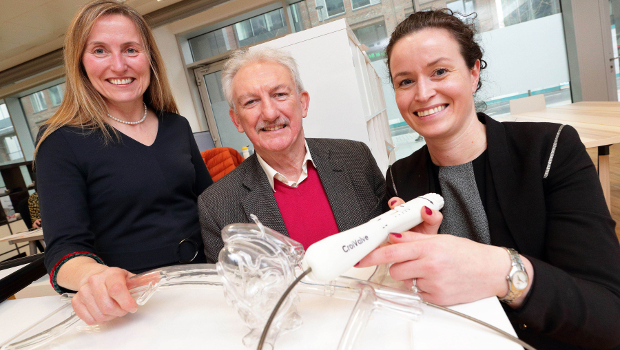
(125, 136)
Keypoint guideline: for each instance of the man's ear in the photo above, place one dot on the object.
(305, 102)
(235, 119)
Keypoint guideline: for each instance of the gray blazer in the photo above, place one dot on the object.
(354, 185)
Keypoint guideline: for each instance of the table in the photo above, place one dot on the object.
(17, 274)
(200, 318)
(31, 237)
(598, 125)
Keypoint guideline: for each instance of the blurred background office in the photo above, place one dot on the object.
(565, 50)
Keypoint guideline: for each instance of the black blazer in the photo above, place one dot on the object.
(561, 224)
(349, 173)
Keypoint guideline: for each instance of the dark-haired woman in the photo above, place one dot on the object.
(525, 219)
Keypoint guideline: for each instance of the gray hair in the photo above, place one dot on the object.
(243, 57)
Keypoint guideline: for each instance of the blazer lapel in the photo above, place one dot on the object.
(338, 187)
(423, 183)
(511, 188)
(260, 200)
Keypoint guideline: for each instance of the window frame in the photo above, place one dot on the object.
(57, 89)
(37, 99)
(344, 12)
(365, 6)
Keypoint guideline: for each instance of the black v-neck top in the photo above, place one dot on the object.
(127, 203)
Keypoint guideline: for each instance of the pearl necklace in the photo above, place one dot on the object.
(131, 123)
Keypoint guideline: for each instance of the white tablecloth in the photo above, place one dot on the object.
(201, 319)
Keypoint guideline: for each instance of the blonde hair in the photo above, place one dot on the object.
(82, 104)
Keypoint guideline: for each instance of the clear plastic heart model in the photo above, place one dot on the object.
(257, 265)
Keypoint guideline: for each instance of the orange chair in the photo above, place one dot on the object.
(221, 160)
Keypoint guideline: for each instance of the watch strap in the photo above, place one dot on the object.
(516, 265)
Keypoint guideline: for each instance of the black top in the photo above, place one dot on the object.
(560, 222)
(127, 203)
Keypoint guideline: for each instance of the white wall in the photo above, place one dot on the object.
(588, 40)
(525, 56)
(179, 81)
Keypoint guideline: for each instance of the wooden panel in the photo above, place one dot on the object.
(614, 177)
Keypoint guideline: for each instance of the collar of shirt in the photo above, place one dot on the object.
(273, 174)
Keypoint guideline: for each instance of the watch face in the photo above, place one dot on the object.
(520, 280)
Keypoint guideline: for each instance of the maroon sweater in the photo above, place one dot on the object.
(306, 212)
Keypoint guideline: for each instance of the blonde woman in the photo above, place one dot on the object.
(118, 171)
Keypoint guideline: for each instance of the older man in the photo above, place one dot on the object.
(307, 189)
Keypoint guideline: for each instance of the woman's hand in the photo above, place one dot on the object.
(103, 292)
(449, 270)
(104, 296)
(431, 218)
(36, 223)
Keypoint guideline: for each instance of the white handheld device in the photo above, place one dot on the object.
(332, 256)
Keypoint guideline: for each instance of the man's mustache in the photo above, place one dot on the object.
(279, 121)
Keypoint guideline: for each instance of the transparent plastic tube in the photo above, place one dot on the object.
(145, 285)
(255, 266)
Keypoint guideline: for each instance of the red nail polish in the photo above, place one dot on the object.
(428, 210)
(392, 201)
(397, 235)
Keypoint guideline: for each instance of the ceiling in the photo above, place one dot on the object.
(32, 28)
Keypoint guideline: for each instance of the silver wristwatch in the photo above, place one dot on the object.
(517, 278)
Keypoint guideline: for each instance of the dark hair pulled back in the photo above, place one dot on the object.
(445, 18)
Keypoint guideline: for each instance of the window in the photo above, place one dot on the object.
(4, 112)
(298, 18)
(37, 101)
(259, 25)
(517, 11)
(356, 4)
(56, 95)
(528, 34)
(499, 13)
(10, 149)
(460, 6)
(330, 8)
(275, 20)
(244, 30)
(614, 11)
(35, 116)
(240, 34)
(371, 21)
(261, 28)
(375, 37)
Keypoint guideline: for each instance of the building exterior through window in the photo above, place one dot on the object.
(10, 149)
(521, 40)
(35, 116)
